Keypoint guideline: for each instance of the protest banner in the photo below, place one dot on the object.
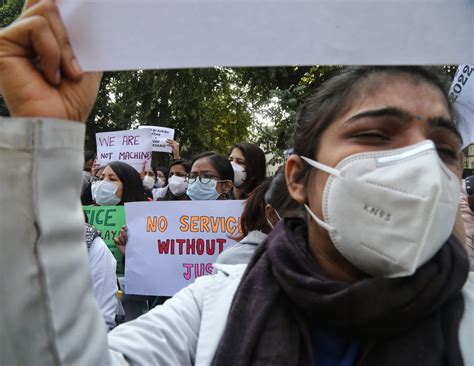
(108, 220)
(461, 94)
(133, 147)
(160, 135)
(171, 243)
(192, 33)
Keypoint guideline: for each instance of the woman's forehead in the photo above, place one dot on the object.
(108, 171)
(418, 99)
(177, 168)
(237, 153)
(203, 164)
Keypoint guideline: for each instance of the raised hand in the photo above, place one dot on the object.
(122, 239)
(175, 148)
(39, 74)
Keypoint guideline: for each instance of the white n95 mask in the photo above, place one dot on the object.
(177, 185)
(148, 182)
(389, 212)
(240, 175)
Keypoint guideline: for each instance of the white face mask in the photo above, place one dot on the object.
(177, 185)
(389, 212)
(240, 175)
(105, 194)
(160, 182)
(148, 182)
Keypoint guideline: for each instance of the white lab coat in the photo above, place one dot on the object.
(103, 266)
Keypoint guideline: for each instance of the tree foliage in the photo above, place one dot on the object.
(205, 106)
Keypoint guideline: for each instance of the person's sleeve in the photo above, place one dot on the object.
(167, 334)
(48, 312)
(103, 266)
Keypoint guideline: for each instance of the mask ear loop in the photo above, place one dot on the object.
(277, 214)
(326, 169)
(322, 167)
(268, 220)
(270, 224)
(318, 220)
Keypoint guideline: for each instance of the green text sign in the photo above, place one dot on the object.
(108, 220)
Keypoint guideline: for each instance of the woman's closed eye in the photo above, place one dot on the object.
(447, 152)
(371, 136)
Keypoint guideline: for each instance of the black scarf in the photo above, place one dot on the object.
(404, 321)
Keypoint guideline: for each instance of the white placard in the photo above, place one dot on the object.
(150, 34)
(171, 243)
(133, 147)
(160, 135)
(461, 94)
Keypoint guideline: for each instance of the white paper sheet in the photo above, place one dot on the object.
(160, 135)
(144, 34)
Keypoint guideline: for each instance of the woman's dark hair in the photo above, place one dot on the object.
(89, 155)
(253, 217)
(335, 96)
(255, 166)
(164, 170)
(184, 163)
(133, 189)
(219, 162)
(274, 192)
(279, 198)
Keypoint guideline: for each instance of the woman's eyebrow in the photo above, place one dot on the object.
(393, 112)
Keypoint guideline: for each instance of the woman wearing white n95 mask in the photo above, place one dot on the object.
(178, 181)
(249, 164)
(375, 271)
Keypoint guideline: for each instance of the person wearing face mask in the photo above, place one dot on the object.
(119, 183)
(375, 275)
(160, 185)
(249, 164)
(306, 297)
(178, 181)
(264, 209)
(211, 177)
(149, 179)
(89, 192)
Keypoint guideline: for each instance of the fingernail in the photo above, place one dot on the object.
(76, 67)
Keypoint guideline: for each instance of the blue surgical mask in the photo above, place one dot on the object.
(199, 191)
(105, 194)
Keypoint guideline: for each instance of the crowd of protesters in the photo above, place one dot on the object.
(353, 253)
